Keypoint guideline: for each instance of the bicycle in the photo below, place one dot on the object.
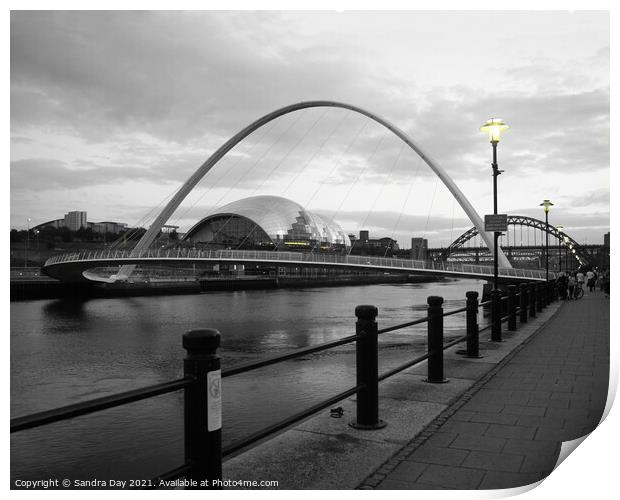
(578, 293)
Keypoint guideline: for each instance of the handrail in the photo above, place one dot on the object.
(94, 405)
(290, 355)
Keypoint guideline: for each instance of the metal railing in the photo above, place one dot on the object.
(296, 258)
(202, 377)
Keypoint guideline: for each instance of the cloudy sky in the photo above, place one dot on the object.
(112, 111)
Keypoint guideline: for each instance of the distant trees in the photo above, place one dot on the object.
(50, 235)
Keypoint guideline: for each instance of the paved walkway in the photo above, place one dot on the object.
(506, 431)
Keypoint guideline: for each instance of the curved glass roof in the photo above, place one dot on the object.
(281, 218)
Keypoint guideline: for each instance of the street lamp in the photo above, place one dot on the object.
(27, 241)
(546, 204)
(494, 127)
(559, 229)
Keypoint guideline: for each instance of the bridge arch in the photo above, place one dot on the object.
(187, 187)
(520, 220)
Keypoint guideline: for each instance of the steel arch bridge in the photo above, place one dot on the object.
(151, 234)
(522, 220)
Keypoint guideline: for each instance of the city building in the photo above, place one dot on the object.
(107, 227)
(75, 220)
(373, 246)
(268, 222)
(419, 248)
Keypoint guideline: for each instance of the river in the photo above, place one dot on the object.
(66, 351)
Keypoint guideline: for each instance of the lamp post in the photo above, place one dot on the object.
(494, 127)
(546, 204)
(36, 233)
(27, 241)
(559, 229)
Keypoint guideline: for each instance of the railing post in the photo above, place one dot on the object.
(472, 325)
(435, 340)
(540, 296)
(533, 300)
(552, 292)
(512, 308)
(523, 302)
(367, 370)
(496, 315)
(203, 408)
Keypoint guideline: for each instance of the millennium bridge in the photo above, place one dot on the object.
(80, 267)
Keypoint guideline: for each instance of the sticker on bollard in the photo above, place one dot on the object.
(214, 400)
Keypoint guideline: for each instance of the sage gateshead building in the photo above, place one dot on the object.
(268, 223)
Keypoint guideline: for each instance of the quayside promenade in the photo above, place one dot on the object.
(498, 423)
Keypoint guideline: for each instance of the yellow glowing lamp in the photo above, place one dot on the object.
(494, 127)
(546, 204)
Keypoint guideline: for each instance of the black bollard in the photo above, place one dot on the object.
(367, 370)
(435, 340)
(523, 302)
(540, 295)
(203, 409)
(552, 292)
(472, 325)
(533, 300)
(496, 315)
(512, 308)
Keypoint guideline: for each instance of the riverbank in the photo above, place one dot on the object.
(46, 288)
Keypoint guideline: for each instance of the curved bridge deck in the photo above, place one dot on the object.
(74, 267)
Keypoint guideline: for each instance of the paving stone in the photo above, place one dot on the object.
(536, 421)
(486, 407)
(525, 410)
(528, 446)
(501, 480)
(438, 455)
(465, 427)
(441, 439)
(493, 461)
(479, 443)
(543, 464)
(455, 477)
(462, 415)
(510, 431)
(408, 471)
(494, 418)
(392, 484)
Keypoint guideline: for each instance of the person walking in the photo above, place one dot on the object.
(571, 286)
(591, 280)
(562, 285)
